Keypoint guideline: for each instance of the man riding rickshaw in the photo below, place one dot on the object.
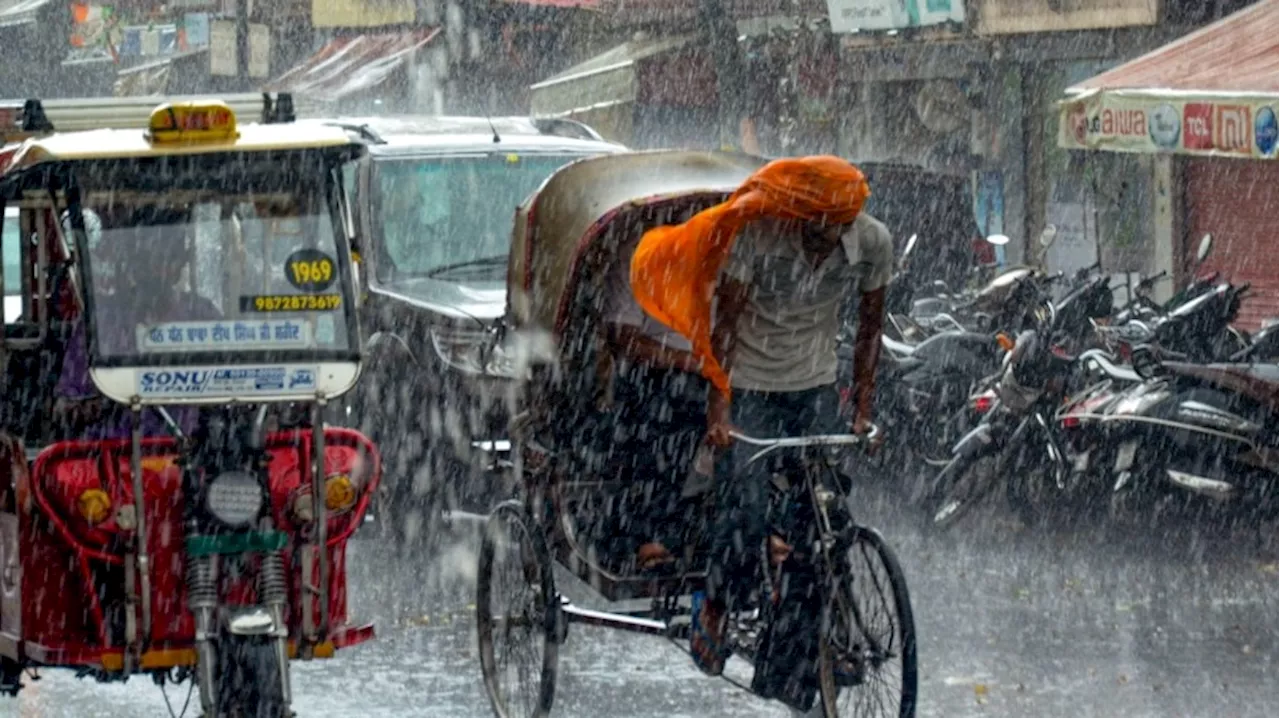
(776, 261)
(178, 520)
(706, 299)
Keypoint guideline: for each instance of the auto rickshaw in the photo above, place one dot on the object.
(194, 527)
(578, 493)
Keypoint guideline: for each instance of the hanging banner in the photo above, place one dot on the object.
(863, 15)
(1219, 125)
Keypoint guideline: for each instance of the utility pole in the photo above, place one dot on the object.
(732, 85)
(242, 45)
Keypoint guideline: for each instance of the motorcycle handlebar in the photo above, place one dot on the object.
(1153, 279)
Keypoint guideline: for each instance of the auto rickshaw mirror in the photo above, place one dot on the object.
(1206, 246)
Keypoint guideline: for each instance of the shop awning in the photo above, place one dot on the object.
(352, 64)
(1213, 92)
(159, 77)
(604, 81)
(20, 12)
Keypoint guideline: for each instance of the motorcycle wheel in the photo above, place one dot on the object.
(959, 486)
(1028, 498)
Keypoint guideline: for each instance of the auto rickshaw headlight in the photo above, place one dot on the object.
(94, 506)
(234, 498)
(339, 493)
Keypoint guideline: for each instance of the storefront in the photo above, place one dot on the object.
(359, 74)
(1204, 109)
(648, 92)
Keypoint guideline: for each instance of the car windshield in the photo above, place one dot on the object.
(441, 216)
(233, 258)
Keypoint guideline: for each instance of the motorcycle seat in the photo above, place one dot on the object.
(1259, 382)
(1115, 371)
(898, 349)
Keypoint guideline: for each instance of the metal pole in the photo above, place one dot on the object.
(242, 45)
(140, 522)
(321, 514)
(721, 33)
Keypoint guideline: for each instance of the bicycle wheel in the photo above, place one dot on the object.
(867, 648)
(517, 614)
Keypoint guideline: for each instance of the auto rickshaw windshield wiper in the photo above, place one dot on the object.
(479, 262)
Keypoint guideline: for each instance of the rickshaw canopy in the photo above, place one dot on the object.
(559, 221)
(127, 143)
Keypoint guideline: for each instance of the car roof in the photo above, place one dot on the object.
(407, 134)
(473, 143)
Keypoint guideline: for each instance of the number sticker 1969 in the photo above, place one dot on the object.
(310, 270)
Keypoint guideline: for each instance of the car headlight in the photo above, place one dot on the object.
(461, 350)
(234, 498)
(474, 353)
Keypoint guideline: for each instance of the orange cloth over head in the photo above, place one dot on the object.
(675, 269)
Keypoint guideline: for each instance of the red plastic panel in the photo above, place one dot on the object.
(73, 574)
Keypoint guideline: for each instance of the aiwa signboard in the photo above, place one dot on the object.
(864, 15)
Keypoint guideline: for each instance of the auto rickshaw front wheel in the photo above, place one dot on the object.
(249, 680)
(10, 677)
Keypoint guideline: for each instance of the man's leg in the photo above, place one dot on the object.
(742, 498)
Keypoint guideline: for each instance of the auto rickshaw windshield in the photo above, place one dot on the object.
(242, 262)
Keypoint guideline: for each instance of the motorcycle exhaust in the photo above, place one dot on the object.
(1212, 488)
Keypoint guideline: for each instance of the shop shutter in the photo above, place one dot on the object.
(1237, 201)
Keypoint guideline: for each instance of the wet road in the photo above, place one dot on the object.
(1010, 624)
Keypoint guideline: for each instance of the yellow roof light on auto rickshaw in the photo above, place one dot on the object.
(193, 122)
(94, 506)
(339, 493)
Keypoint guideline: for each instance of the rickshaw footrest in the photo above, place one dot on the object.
(604, 619)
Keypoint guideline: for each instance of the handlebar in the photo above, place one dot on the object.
(786, 442)
(1148, 281)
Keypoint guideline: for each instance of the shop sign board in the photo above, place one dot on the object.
(1219, 125)
(864, 15)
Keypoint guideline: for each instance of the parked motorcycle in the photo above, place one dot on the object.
(1196, 432)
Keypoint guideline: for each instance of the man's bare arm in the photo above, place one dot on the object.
(866, 355)
(731, 299)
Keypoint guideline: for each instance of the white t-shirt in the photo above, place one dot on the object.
(786, 338)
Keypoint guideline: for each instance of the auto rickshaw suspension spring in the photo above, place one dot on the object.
(202, 588)
(272, 587)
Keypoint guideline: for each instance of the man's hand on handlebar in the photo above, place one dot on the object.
(719, 428)
(862, 426)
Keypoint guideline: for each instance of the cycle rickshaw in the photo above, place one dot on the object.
(572, 495)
